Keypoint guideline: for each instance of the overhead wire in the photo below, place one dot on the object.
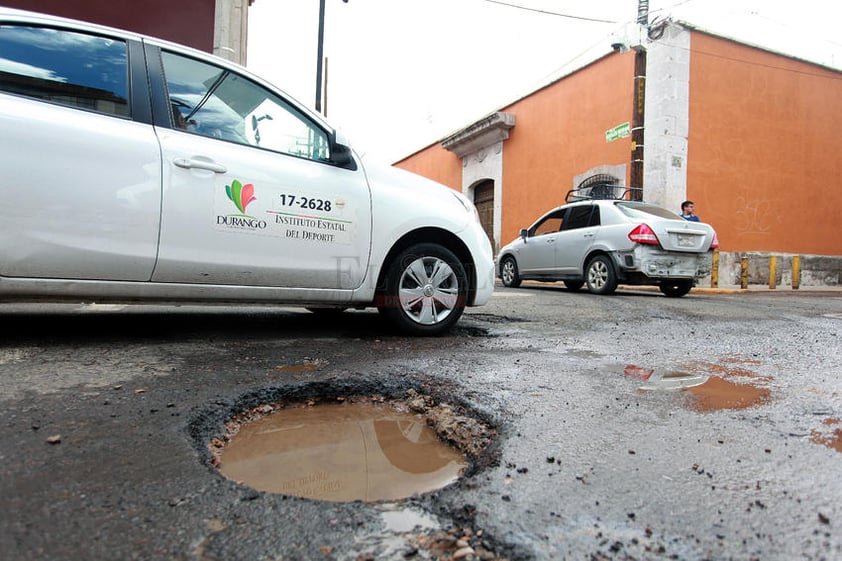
(558, 71)
(547, 12)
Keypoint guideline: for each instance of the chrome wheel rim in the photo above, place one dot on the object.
(508, 272)
(597, 275)
(428, 290)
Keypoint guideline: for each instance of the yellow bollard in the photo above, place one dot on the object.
(796, 271)
(714, 270)
(773, 272)
(744, 273)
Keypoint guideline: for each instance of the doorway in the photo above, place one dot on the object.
(484, 201)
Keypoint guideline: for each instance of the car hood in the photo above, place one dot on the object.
(393, 190)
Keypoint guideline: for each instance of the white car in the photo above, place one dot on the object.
(134, 169)
(603, 242)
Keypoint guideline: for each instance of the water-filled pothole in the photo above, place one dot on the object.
(349, 449)
(831, 437)
(706, 392)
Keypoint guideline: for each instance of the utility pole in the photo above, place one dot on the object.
(638, 113)
(319, 54)
(320, 49)
(327, 75)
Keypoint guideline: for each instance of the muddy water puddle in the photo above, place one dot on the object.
(340, 452)
(830, 435)
(708, 386)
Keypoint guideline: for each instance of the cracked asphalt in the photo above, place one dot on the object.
(106, 413)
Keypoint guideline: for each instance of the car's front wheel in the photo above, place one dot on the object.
(508, 272)
(675, 288)
(600, 275)
(425, 290)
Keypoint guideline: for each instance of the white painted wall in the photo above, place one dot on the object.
(667, 117)
(230, 34)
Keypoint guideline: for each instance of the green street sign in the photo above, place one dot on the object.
(620, 131)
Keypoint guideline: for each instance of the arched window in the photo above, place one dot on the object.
(600, 186)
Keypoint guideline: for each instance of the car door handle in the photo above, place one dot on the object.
(189, 163)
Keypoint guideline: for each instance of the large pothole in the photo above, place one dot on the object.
(350, 448)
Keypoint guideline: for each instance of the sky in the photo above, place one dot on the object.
(401, 75)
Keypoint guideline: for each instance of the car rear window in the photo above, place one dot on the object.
(641, 210)
(66, 67)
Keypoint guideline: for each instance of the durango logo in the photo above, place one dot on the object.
(242, 196)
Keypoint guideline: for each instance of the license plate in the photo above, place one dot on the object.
(686, 240)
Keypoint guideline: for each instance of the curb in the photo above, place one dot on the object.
(749, 290)
(730, 289)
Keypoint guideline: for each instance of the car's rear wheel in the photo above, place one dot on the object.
(574, 285)
(508, 272)
(600, 275)
(425, 290)
(676, 288)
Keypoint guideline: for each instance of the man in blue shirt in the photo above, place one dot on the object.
(688, 211)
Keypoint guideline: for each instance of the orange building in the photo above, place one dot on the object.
(747, 134)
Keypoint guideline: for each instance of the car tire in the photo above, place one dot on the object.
(574, 285)
(600, 275)
(425, 290)
(508, 272)
(675, 288)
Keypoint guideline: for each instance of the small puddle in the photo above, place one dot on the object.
(717, 394)
(706, 392)
(405, 520)
(833, 439)
(340, 452)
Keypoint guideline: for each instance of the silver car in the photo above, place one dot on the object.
(606, 242)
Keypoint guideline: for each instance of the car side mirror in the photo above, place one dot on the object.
(524, 233)
(341, 154)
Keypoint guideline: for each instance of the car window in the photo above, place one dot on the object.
(550, 224)
(65, 67)
(212, 101)
(578, 217)
(595, 220)
(641, 210)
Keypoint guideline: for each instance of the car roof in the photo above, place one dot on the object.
(603, 203)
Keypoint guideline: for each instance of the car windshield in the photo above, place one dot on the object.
(641, 210)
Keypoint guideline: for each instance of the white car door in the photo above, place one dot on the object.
(249, 196)
(81, 175)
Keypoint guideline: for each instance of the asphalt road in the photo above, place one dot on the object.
(107, 412)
